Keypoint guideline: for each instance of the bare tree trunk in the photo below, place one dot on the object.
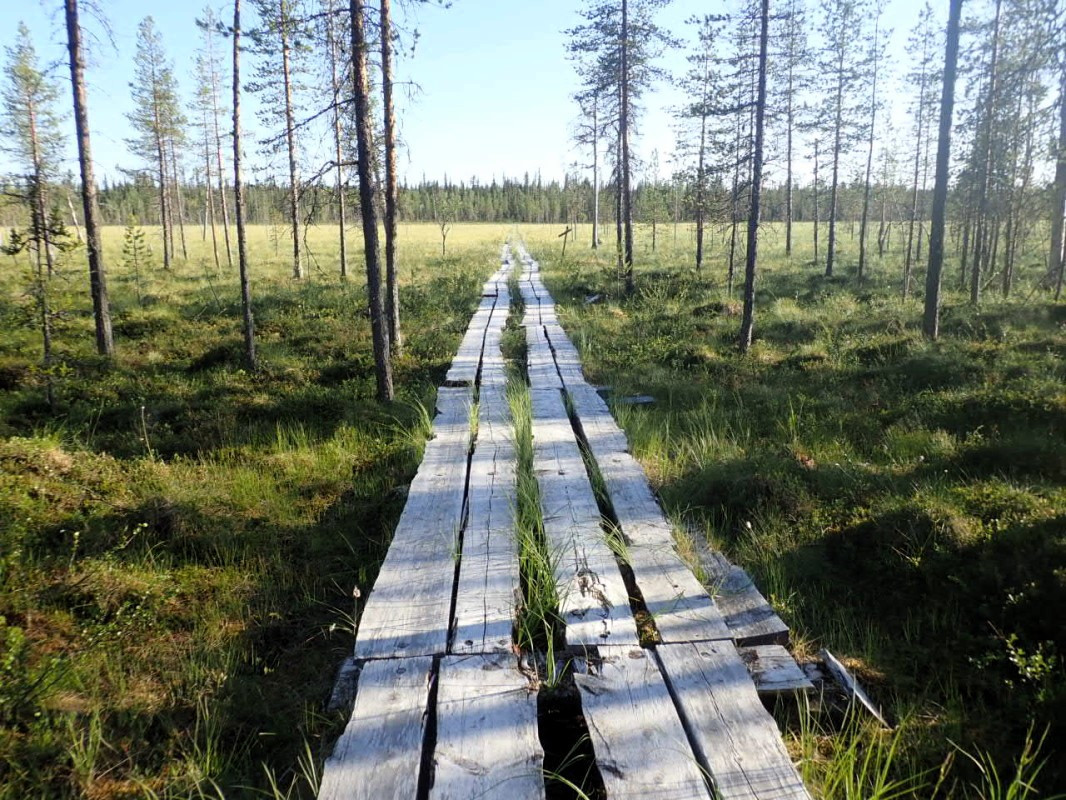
(74, 217)
(870, 151)
(595, 173)
(921, 142)
(789, 124)
(238, 194)
(620, 247)
(39, 205)
(623, 123)
(367, 204)
(392, 284)
(210, 198)
(700, 162)
(830, 247)
(817, 221)
(931, 316)
(164, 206)
(105, 344)
(290, 140)
(178, 201)
(335, 85)
(966, 226)
(221, 166)
(1058, 210)
(734, 210)
(986, 173)
(747, 322)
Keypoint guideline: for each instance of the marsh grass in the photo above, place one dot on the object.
(180, 540)
(899, 501)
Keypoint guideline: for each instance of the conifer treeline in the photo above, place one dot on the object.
(511, 200)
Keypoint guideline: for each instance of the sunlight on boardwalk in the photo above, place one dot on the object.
(445, 707)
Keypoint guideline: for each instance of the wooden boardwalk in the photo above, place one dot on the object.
(443, 705)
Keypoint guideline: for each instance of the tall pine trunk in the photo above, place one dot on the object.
(221, 167)
(838, 130)
(335, 85)
(931, 315)
(105, 344)
(789, 124)
(701, 178)
(1058, 210)
(392, 284)
(290, 140)
(238, 194)
(751, 260)
(869, 151)
(595, 174)
(367, 202)
(919, 144)
(178, 200)
(983, 251)
(817, 221)
(210, 211)
(39, 205)
(627, 196)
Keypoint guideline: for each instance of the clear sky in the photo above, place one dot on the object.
(494, 84)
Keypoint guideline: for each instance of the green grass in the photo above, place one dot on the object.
(899, 501)
(180, 539)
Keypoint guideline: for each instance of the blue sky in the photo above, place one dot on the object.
(494, 82)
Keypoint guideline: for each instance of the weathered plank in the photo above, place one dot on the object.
(488, 571)
(407, 612)
(751, 620)
(679, 605)
(773, 669)
(734, 737)
(464, 367)
(379, 754)
(540, 363)
(593, 598)
(641, 747)
(487, 743)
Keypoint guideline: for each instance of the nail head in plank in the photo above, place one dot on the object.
(734, 736)
(487, 742)
(641, 747)
(379, 754)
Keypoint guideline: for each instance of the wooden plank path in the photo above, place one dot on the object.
(442, 709)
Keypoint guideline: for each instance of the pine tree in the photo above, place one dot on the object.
(238, 193)
(920, 47)
(392, 287)
(931, 316)
(94, 245)
(281, 45)
(841, 65)
(367, 201)
(209, 69)
(158, 123)
(703, 91)
(31, 135)
(876, 60)
(136, 253)
(747, 322)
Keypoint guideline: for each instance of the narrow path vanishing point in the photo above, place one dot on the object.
(445, 707)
